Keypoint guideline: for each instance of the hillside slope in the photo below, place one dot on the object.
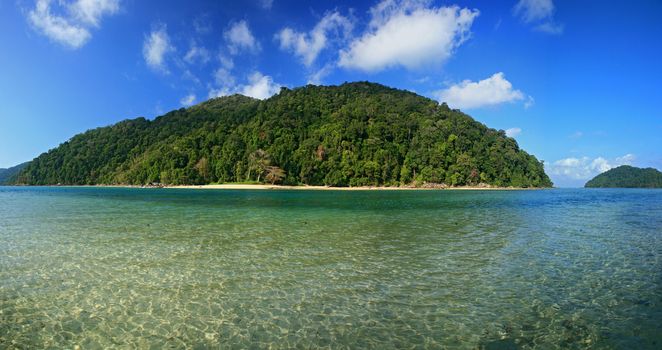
(348, 135)
(626, 176)
(9, 175)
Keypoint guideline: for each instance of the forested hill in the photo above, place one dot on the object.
(8, 176)
(628, 176)
(349, 135)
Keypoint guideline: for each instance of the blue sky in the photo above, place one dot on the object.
(576, 83)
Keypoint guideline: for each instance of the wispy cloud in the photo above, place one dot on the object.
(576, 135)
(512, 132)
(91, 11)
(410, 34)
(187, 100)
(155, 48)
(240, 37)
(266, 4)
(307, 46)
(197, 54)
(539, 13)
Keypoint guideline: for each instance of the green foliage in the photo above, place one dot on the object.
(9, 175)
(628, 176)
(349, 135)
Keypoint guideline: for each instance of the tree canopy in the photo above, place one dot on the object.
(9, 175)
(628, 176)
(355, 134)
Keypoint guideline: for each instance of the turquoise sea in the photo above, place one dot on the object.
(172, 268)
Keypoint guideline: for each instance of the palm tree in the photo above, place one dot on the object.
(258, 161)
(274, 174)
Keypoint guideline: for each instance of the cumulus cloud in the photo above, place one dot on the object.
(512, 132)
(73, 28)
(155, 47)
(259, 86)
(408, 33)
(308, 45)
(187, 100)
(487, 92)
(585, 168)
(239, 37)
(540, 13)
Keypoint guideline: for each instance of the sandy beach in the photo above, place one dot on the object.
(329, 188)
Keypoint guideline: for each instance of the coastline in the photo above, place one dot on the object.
(231, 186)
(330, 188)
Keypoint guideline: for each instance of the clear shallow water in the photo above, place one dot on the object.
(117, 268)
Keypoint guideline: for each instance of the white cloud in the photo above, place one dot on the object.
(266, 4)
(538, 11)
(408, 33)
(512, 132)
(626, 159)
(57, 28)
(576, 135)
(259, 86)
(202, 24)
(308, 45)
(197, 54)
(226, 62)
(91, 11)
(72, 30)
(223, 77)
(155, 47)
(487, 92)
(316, 77)
(585, 168)
(239, 38)
(187, 100)
(534, 10)
(550, 28)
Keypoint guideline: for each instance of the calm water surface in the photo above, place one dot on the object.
(118, 268)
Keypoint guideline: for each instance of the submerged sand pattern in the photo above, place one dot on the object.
(148, 268)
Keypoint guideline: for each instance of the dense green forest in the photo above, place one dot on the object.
(628, 176)
(354, 134)
(9, 175)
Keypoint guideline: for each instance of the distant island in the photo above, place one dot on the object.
(355, 134)
(628, 176)
(9, 175)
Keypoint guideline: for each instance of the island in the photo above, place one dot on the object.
(9, 175)
(626, 176)
(352, 135)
